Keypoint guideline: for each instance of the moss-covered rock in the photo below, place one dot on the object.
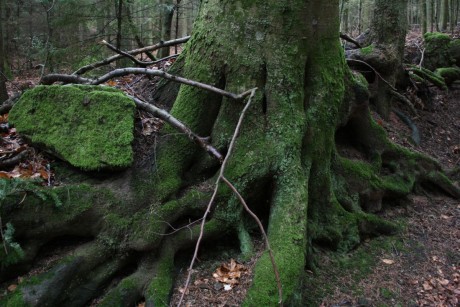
(449, 74)
(91, 127)
(437, 50)
(454, 50)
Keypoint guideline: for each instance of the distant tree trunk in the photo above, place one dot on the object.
(437, 15)
(386, 49)
(119, 13)
(167, 13)
(360, 16)
(444, 14)
(3, 91)
(423, 10)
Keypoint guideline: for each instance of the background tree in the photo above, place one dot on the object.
(3, 91)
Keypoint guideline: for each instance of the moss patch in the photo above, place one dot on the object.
(91, 127)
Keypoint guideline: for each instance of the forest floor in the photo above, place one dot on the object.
(418, 267)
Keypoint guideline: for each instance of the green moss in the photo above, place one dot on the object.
(437, 53)
(449, 74)
(89, 126)
(430, 36)
(160, 287)
(115, 298)
(14, 300)
(429, 76)
(367, 50)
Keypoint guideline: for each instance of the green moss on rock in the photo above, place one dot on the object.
(449, 74)
(91, 127)
(437, 50)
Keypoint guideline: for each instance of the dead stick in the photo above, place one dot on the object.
(160, 113)
(123, 53)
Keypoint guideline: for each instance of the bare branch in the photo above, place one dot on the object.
(50, 79)
(133, 58)
(202, 142)
(214, 194)
(111, 59)
(123, 53)
(350, 40)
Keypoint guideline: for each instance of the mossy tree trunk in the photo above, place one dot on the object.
(385, 49)
(290, 162)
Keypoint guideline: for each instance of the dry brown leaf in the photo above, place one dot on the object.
(12, 287)
(427, 286)
(388, 261)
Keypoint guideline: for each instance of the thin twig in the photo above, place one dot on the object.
(164, 115)
(214, 194)
(264, 235)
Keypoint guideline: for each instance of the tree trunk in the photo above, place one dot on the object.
(444, 14)
(290, 162)
(424, 14)
(3, 91)
(385, 49)
(167, 13)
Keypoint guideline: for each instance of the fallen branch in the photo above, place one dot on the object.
(114, 58)
(14, 160)
(350, 40)
(51, 78)
(123, 53)
(133, 58)
(6, 106)
(160, 113)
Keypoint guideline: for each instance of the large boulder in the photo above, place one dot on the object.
(91, 127)
(440, 50)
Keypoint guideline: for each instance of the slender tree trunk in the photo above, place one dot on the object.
(360, 16)
(167, 13)
(444, 14)
(423, 10)
(3, 91)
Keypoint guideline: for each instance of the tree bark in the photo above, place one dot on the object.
(3, 91)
